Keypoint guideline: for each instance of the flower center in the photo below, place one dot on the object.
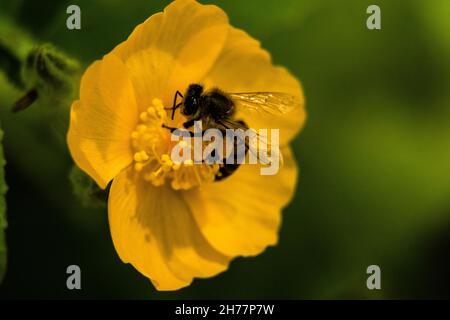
(152, 148)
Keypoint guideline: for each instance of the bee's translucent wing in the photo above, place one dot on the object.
(270, 102)
(259, 146)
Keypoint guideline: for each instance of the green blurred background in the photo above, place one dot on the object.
(374, 156)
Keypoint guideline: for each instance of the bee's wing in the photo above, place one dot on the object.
(269, 102)
(260, 146)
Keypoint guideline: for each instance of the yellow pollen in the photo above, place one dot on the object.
(152, 149)
(141, 156)
(176, 166)
(165, 158)
(143, 116)
(138, 166)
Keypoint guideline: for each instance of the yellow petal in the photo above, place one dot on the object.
(243, 66)
(241, 214)
(173, 48)
(153, 229)
(102, 120)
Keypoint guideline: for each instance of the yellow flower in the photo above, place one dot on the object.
(170, 220)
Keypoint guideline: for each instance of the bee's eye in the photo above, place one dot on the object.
(190, 106)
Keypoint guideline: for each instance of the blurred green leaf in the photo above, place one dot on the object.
(14, 43)
(86, 189)
(10, 65)
(14, 38)
(3, 222)
(50, 71)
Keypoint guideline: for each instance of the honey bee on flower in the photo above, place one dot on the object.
(175, 221)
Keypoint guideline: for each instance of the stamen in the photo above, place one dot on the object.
(152, 147)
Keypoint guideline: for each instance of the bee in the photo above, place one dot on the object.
(217, 109)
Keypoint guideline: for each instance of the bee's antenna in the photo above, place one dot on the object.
(174, 105)
(175, 108)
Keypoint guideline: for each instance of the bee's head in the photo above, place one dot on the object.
(192, 99)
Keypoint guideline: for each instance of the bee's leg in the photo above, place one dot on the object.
(191, 122)
(172, 130)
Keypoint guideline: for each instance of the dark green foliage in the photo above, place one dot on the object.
(3, 222)
(86, 189)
